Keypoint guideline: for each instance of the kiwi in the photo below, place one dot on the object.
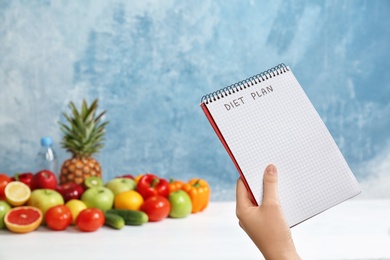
(93, 181)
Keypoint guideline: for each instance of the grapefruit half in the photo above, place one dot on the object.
(23, 219)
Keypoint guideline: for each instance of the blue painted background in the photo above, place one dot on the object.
(150, 62)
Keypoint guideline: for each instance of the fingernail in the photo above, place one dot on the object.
(271, 169)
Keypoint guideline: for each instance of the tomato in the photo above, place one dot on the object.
(90, 219)
(58, 217)
(4, 180)
(156, 207)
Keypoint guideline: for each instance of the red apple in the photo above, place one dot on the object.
(129, 176)
(26, 178)
(70, 191)
(44, 179)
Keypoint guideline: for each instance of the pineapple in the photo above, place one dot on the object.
(83, 138)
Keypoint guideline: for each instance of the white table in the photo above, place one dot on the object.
(356, 229)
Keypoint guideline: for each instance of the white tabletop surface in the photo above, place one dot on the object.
(356, 229)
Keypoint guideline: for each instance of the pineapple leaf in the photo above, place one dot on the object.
(74, 110)
(89, 112)
(67, 118)
(99, 117)
(84, 109)
(64, 129)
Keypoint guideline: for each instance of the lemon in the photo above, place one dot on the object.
(17, 193)
(75, 206)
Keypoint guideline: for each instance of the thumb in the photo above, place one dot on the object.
(270, 182)
(242, 196)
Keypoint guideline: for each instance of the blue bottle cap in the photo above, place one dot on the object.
(46, 141)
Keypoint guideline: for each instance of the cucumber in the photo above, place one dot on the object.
(131, 217)
(113, 220)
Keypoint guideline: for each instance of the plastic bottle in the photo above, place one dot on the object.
(46, 157)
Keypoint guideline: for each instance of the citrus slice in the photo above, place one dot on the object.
(17, 193)
(23, 219)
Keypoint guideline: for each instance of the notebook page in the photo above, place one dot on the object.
(274, 122)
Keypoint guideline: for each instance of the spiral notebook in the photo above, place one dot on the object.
(267, 119)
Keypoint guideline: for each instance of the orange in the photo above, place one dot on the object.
(23, 219)
(17, 193)
(130, 199)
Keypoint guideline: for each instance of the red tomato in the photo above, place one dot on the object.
(58, 217)
(90, 219)
(156, 207)
(4, 180)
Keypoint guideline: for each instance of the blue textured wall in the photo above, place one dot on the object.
(149, 63)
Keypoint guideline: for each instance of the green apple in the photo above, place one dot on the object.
(4, 208)
(98, 197)
(44, 199)
(181, 205)
(119, 185)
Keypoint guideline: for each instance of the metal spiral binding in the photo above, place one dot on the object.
(246, 83)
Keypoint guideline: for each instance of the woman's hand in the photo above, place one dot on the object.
(265, 224)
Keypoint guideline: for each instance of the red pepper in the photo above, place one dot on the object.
(26, 178)
(150, 185)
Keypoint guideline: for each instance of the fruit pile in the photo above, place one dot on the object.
(28, 201)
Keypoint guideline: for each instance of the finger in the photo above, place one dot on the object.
(270, 182)
(242, 198)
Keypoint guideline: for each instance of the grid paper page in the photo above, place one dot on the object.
(274, 122)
